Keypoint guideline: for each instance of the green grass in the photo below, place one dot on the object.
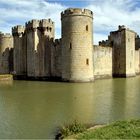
(71, 129)
(117, 130)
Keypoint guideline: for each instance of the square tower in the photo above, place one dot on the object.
(19, 56)
(39, 35)
(123, 42)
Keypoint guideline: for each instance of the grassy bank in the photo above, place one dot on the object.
(117, 130)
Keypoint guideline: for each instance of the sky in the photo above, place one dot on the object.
(108, 14)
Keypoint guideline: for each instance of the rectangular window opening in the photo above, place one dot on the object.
(70, 46)
(86, 27)
(87, 61)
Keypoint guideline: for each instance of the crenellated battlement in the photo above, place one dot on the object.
(40, 24)
(57, 42)
(19, 29)
(46, 23)
(105, 43)
(76, 11)
(137, 36)
(33, 24)
(6, 42)
(5, 35)
(121, 28)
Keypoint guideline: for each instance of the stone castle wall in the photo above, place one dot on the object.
(123, 43)
(137, 61)
(130, 52)
(102, 62)
(32, 48)
(6, 53)
(118, 53)
(77, 45)
(40, 34)
(19, 50)
(56, 59)
(137, 54)
(38, 55)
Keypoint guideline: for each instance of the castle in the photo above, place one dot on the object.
(32, 52)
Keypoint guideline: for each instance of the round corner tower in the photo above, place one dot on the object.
(6, 53)
(77, 45)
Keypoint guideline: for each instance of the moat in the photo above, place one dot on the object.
(32, 109)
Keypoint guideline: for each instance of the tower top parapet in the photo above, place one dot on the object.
(5, 35)
(18, 29)
(32, 24)
(122, 28)
(46, 23)
(57, 42)
(76, 11)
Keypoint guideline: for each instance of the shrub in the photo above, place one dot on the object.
(71, 129)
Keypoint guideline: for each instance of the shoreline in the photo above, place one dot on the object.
(6, 77)
(128, 129)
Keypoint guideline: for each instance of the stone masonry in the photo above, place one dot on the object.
(6, 53)
(19, 50)
(40, 36)
(102, 61)
(77, 45)
(123, 43)
(74, 57)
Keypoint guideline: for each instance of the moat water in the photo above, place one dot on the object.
(31, 109)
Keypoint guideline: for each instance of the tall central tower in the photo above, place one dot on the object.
(77, 45)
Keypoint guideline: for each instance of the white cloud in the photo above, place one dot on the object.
(108, 14)
(15, 12)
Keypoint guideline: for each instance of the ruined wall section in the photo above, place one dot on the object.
(77, 45)
(56, 59)
(102, 62)
(6, 53)
(19, 50)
